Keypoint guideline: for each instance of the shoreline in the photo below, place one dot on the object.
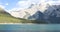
(16, 23)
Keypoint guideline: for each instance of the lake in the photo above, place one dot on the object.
(29, 27)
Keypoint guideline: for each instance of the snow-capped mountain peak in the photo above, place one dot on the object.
(29, 11)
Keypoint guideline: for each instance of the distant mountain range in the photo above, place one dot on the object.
(5, 17)
(53, 14)
(41, 12)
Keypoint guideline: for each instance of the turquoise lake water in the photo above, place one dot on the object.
(29, 27)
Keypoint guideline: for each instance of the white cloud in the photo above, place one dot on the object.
(6, 4)
(54, 2)
(23, 4)
(2, 6)
(26, 3)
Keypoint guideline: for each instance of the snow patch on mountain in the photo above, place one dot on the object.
(30, 11)
(25, 13)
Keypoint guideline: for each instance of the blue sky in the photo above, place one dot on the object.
(15, 4)
(9, 4)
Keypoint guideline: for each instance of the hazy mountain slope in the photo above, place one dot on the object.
(24, 12)
(7, 18)
(4, 18)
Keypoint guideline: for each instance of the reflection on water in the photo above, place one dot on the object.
(29, 28)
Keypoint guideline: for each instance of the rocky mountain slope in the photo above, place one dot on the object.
(25, 13)
(41, 12)
(7, 18)
(53, 14)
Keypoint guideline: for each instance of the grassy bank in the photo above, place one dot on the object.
(7, 18)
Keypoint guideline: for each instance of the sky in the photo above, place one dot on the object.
(10, 5)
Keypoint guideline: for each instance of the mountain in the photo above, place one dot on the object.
(2, 10)
(37, 16)
(39, 13)
(25, 13)
(30, 11)
(53, 14)
(5, 17)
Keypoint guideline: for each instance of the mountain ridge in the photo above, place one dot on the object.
(50, 15)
